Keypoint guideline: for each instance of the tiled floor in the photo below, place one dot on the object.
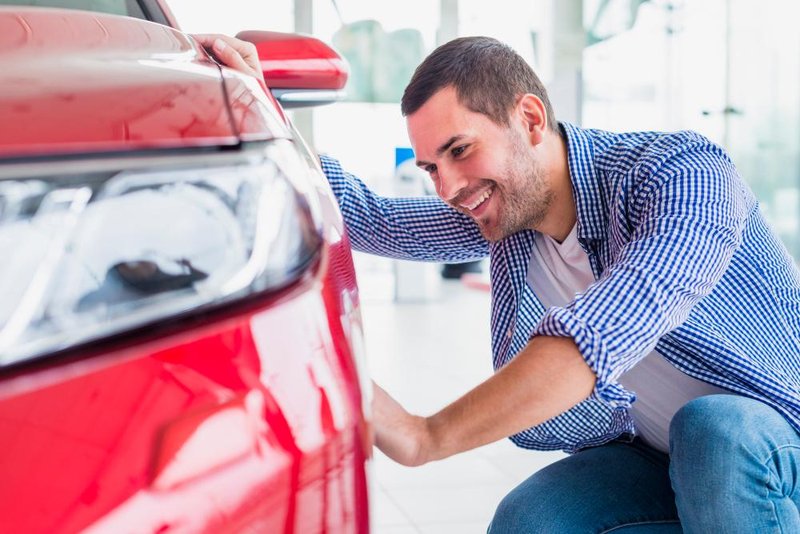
(426, 355)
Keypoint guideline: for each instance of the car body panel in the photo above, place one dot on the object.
(255, 114)
(213, 423)
(111, 84)
(249, 417)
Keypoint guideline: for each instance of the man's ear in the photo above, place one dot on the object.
(534, 117)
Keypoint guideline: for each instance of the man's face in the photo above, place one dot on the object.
(479, 167)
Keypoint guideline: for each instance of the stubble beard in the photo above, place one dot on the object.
(524, 195)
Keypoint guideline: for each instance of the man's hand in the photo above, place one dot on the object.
(401, 436)
(548, 377)
(232, 52)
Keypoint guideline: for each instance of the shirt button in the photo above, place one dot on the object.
(510, 332)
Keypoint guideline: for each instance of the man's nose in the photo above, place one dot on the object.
(451, 183)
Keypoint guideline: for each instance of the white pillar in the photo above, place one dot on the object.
(448, 21)
(569, 40)
(303, 119)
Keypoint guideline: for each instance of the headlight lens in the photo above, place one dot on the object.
(90, 255)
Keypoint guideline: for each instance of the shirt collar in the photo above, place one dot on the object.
(589, 202)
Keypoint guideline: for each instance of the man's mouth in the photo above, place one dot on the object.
(479, 200)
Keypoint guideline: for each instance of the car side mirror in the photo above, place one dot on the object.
(300, 70)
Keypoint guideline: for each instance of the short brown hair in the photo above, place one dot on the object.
(488, 77)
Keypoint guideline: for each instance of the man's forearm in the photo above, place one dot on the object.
(547, 378)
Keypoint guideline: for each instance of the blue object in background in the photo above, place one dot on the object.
(401, 154)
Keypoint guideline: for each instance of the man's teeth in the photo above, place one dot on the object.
(486, 194)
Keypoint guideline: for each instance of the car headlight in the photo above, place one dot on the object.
(91, 254)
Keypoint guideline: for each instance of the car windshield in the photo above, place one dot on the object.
(130, 8)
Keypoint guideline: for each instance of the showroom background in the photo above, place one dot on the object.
(729, 69)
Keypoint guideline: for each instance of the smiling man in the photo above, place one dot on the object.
(511, 191)
(644, 316)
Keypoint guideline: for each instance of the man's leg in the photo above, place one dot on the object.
(735, 467)
(619, 487)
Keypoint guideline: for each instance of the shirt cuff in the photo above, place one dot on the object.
(335, 174)
(329, 161)
(562, 322)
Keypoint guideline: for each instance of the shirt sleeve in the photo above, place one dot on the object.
(417, 228)
(686, 219)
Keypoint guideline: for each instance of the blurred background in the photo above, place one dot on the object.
(729, 69)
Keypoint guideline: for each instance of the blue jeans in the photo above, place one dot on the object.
(734, 466)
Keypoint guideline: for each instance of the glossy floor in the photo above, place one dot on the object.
(426, 354)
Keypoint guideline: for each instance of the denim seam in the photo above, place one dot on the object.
(771, 502)
(769, 473)
(778, 449)
(775, 515)
(655, 522)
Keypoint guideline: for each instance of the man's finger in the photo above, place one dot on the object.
(233, 52)
(205, 39)
(229, 55)
(245, 49)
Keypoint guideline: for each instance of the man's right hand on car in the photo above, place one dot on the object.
(232, 52)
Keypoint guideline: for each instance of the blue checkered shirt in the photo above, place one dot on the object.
(684, 264)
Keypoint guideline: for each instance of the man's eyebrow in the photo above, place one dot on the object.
(442, 149)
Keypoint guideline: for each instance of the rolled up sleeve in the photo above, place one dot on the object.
(416, 228)
(685, 220)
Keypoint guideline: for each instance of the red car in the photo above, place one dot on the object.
(180, 338)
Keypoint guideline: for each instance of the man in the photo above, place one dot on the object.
(619, 263)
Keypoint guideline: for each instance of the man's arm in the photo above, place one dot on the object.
(692, 214)
(416, 228)
(686, 216)
(547, 378)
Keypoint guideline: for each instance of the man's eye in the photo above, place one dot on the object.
(457, 151)
(430, 169)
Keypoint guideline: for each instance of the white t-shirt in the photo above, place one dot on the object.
(558, 271)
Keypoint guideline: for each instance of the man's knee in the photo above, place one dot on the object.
(703, 438)
(719, 422)
(731, 462)
(720, 444)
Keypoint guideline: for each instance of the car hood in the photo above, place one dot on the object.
(78, 82)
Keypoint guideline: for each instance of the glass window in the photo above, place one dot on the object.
(128, 8)
(761, 114)
(382, 42)
(232, 16)
(726, 68)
